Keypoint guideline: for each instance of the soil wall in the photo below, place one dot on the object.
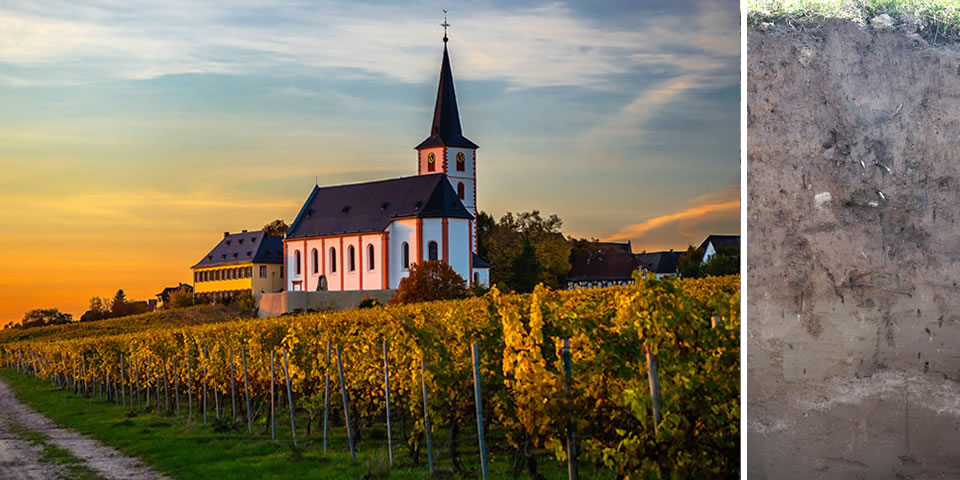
(854, 254)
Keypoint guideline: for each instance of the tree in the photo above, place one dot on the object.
(726, 261)
(119, 306)
(98, 310)
(688, 264)
(276, 228)
(40, 317)
(526, 269)
(508, 238)
(430, 280)
(485, 226)
(181, 298)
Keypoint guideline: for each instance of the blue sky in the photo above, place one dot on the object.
(132, 126)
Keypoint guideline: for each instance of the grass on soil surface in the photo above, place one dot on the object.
(73, 467)
(934, 18)
(195, 451)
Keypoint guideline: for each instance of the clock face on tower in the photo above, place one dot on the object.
(431, 162)
(431, 158)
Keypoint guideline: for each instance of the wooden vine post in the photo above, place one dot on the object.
(654, 389)
(206, 356)
(273, 402)
(572, 467)
(346, 404)
(233, 387)
(166, 389)
(246, 385)
(136, 368)
(479, 398)
(123, 391)
(176, 386)
(386, 389)
(426, 413)
(286, 372)
(326, 400)
(189, 389)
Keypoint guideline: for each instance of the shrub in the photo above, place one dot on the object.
(430, 280)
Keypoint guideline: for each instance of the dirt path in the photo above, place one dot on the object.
(18, 459)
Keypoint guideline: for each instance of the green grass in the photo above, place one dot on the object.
(940, 19)
(73, 467)
(195, 451)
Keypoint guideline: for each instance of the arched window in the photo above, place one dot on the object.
(431, 162)
(316, 261)
(296, 261)
(351, 260)
(432, 250)
(476, 278)
(370, 263)
(333, 260)
(461, 162)
(405, 255)
(460, 190)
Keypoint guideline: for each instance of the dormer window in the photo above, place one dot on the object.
(249, 253)
(346, 208)
(228, 242)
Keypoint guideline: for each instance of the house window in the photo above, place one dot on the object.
(316, 260)
(431, 162)
(333, 260)
(249, 272)
(351, 260)
(370, 263)
(405, 255)
(460, 190)
(296, 261)
(461, 162)
(432, 251)
(263, 271)
(196, 277)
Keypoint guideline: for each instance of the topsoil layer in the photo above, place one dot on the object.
(854, 254)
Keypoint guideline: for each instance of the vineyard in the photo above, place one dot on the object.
(420, 369)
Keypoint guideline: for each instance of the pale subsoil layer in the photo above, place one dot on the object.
(854, 254)
(16, 461)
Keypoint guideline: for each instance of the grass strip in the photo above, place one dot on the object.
(940, 18)
(222, 449)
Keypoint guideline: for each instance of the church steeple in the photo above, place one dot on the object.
(446, 130)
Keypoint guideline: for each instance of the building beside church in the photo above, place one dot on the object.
(245, 261)
(365, 236)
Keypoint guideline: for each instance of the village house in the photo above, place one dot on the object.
(245, 261)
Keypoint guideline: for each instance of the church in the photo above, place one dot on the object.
(365, 236)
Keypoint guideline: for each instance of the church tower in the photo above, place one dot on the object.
(446, 150)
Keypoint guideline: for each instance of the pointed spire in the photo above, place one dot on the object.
(446, 128)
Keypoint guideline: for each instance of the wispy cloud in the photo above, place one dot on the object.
(690, 225)
(535, 46)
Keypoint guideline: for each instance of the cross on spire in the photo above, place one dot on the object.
(444, 25)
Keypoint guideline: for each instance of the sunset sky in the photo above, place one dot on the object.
(133, 134)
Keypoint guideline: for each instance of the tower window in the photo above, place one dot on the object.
(370, 263)
(431, 162)
(461, 162)
(351, 261)
(405, 255)
(460, 190)
(316, 261)
(296, 262)
(333, 260)
(432, 250)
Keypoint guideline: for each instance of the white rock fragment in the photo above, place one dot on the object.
(882, 22)
(822, 198)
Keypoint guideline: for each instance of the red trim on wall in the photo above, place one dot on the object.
(419, 162)
(360, 270)
(476, 210)
(340, 253)
(470, 259)
(445, 236)
(323, 259)
(385, 282)
(419, 241)
(284, 265)
(445, 159)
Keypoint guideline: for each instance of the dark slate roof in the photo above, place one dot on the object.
(659, 262)
(602, 261)
(446, 116)
(721, 241)
(165, 294)
(371, 206)
(479, 262)
(244, 247)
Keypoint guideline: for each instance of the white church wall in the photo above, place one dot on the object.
(432, 232)
(351, 278)
(459, 255)
(481, 276)
(401, 231)
(372, 278)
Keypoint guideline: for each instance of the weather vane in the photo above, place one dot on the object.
(444, 25)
